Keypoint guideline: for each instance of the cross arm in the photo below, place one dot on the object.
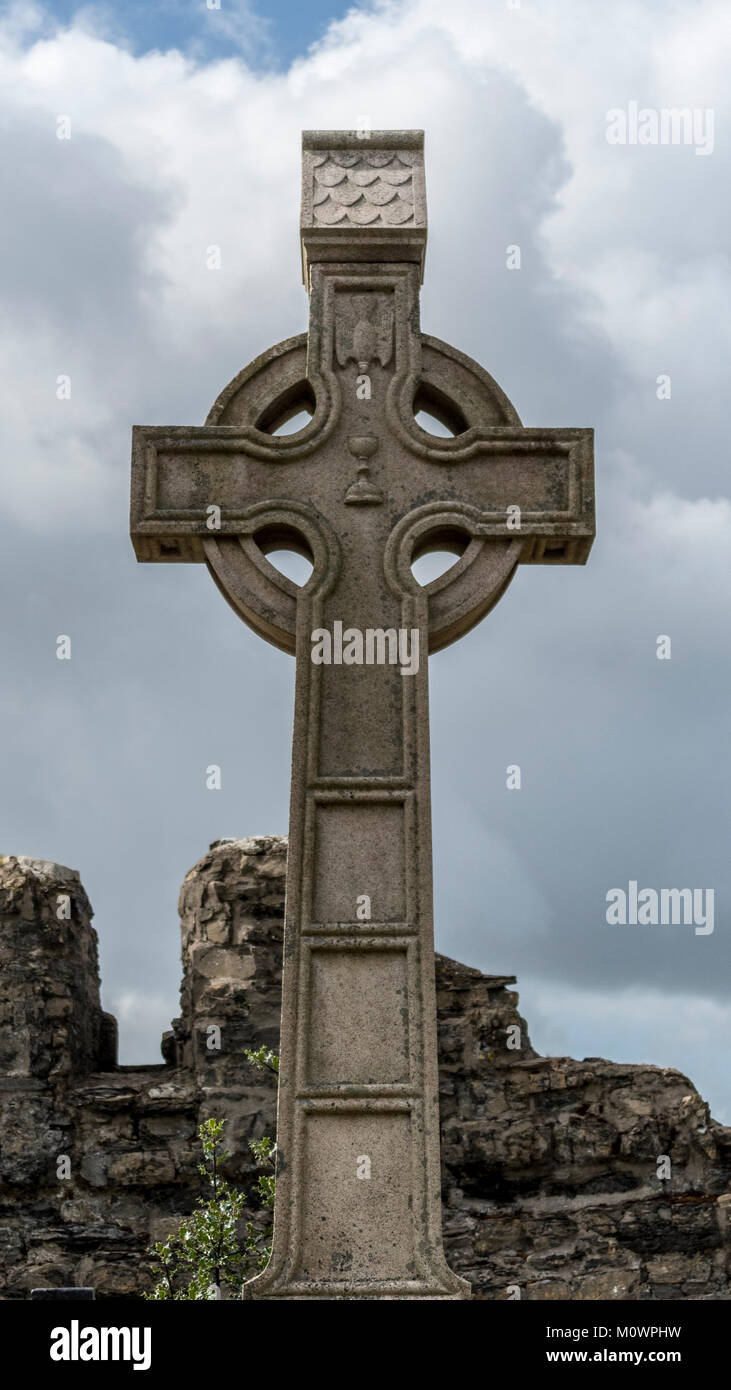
(192, 483)
(226, 497)
(535, 485)
(497, 497)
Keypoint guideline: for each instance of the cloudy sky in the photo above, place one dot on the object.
(185, 132)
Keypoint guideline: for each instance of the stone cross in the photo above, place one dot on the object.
(362, 490)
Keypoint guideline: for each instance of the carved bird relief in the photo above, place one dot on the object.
(364, 330)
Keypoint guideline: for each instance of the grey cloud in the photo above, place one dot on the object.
(624, 758)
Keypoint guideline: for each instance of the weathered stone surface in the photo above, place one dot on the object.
(548, 1164)
(363, 491)
(57, 1026)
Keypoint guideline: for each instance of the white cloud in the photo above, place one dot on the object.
(139, 1013)
(103, 275)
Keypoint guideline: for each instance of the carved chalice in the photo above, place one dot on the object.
(363, 492)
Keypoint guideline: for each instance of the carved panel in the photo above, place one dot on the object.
(363, 188)
(344, 1215)
(368, 836)
(349, 988)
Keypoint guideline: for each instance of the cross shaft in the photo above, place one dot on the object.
(361, 490)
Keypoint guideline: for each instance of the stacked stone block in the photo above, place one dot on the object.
(549, 1164)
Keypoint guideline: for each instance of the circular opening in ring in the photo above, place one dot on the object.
(437, 553)
(437, 414)
(288, 551)
(290, 412)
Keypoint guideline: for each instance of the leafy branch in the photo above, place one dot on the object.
(208, 1257)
